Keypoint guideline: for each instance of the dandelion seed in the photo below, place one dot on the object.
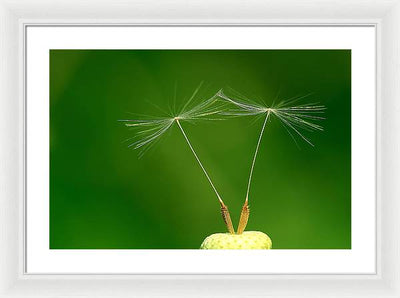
(295, 118)
(148, 132)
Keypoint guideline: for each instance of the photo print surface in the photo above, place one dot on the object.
(148, 148)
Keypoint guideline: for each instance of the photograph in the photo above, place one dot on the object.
(200, 149)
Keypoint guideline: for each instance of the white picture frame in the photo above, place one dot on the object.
(15, 16)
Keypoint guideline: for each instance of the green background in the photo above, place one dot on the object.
(103, 196)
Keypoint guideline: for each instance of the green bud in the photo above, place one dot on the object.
(246, 240)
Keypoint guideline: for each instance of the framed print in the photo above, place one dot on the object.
(200, 158)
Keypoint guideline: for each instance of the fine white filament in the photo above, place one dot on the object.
(198, 160)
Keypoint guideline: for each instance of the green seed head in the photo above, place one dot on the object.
(246, 240)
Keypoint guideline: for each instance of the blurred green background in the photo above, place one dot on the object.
(103, 196)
